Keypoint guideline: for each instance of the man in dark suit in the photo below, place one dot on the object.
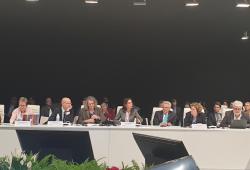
(65, 112)
(179, 113)
(235, 114)
(215, 117)
(165, 117)
(48, 108)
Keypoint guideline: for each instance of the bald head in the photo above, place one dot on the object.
(66, 103)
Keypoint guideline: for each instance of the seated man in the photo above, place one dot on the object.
(65, 112)
(48, 108)
(22, 112)
(247, 108)
(215, 117)
(90, 113)
(165, 117)
(235, 114)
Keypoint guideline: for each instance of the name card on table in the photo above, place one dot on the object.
(23, 123)
(199, 126)
(55, 123)
(128, 124)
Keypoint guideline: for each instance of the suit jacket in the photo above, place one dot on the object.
(121, 115)
(67, 118)
(229, 117)
(84, 114)
(46, 109)
(201, 118)
(211, 119)
(179, 116)
(159, 117)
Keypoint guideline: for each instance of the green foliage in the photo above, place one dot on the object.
(50, 162)
(4, 164)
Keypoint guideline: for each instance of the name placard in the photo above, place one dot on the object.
(23, 123)
(55, 123)
(199, 126)
(128, 124)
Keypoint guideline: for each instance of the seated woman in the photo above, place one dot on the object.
(109, 113)
(195, 116)
(22, 112)
(128, 113)
(90, 113)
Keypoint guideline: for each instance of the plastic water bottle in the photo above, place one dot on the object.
(57, 117)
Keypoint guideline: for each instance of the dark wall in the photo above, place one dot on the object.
(159, 51)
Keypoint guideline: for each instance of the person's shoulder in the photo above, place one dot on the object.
(228, 112)
(246, 115)
(82, 110)
(159, 112)
(15, 110)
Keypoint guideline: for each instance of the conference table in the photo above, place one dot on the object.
(212, 149)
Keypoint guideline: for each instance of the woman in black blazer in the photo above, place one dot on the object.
(195, 115)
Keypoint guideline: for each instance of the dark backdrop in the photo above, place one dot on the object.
(159, 51)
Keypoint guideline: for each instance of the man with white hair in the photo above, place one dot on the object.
(165, 117)
(235, 114)
(65, 112)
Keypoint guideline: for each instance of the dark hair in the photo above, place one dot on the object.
(174, 101)
(125, 101)
(217, 103)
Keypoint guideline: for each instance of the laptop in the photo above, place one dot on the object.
(238, 124)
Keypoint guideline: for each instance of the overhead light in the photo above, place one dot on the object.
(245, 36)
(91, 1)
(140, 3)
(243, 4)
(192, 3)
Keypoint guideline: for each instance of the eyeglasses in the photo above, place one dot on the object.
(235, 108)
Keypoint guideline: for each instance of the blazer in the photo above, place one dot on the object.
(179, 116)
(229, 117)
(45, 110)
(201, 118)
(84, 114)
(211, 119)
(67, 118)
(121, 115)
(159, 117)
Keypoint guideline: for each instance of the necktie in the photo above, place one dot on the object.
(165, 118)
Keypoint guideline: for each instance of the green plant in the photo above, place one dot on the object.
(21, 161)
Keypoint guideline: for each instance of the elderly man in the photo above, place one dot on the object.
(165, 117)
(235, 114)
(22, 111)
(65, 112)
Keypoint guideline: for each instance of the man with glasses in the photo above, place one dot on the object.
(235, 114)
(22, 111)
(165, 117)
(65, 112)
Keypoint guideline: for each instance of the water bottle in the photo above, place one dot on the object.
(57, 117)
